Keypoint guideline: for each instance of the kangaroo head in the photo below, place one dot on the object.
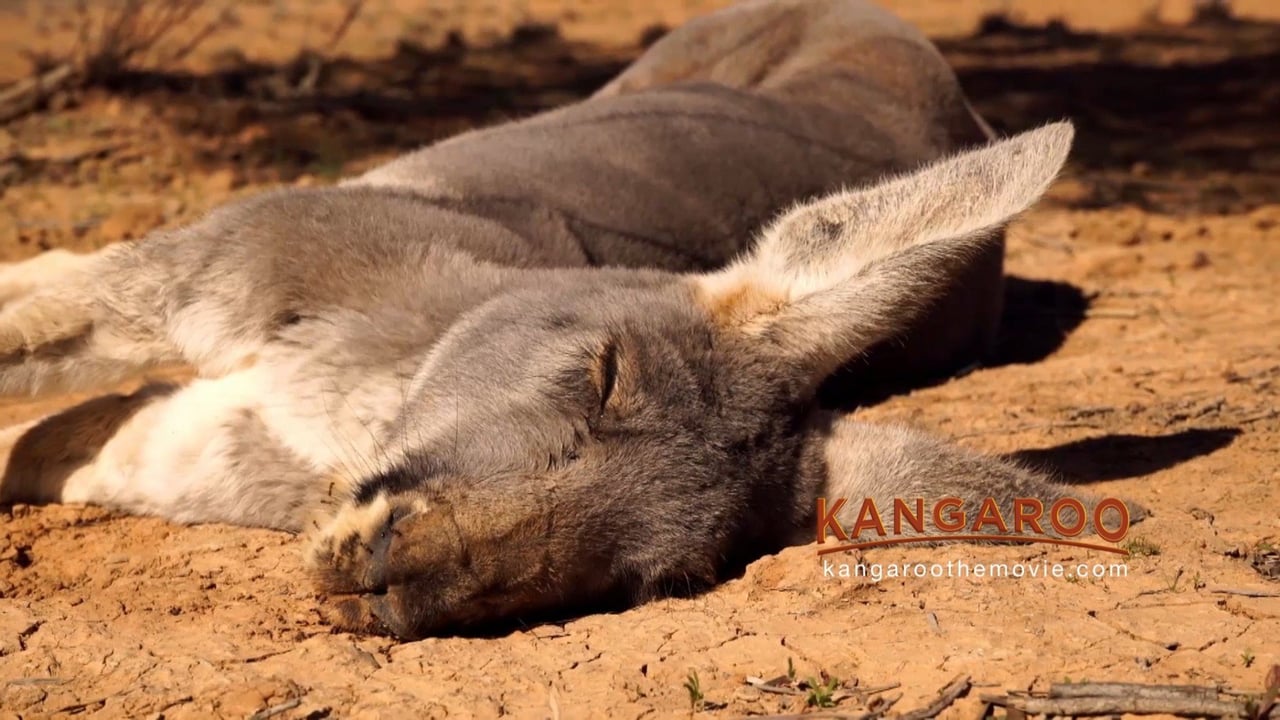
(603, 434)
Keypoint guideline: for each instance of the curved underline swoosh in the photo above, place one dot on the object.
(972, 538)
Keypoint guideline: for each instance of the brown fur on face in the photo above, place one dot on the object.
(469, 559)
(737, 306)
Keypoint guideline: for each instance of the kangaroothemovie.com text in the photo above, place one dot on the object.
(959, 569)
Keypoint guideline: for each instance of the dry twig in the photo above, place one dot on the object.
(26, 95)
(111, 37)
(274, 710)
(946, 696)
(348, 18)
(1245, 592)
(1112, 699)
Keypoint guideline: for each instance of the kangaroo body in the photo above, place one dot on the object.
(721, 126)
(566, 361)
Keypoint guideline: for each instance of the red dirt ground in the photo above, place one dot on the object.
(1139, 358)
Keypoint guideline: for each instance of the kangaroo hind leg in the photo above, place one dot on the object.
(196, 454)
(91, 320)
(24, 277)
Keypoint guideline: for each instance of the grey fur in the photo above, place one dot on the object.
(532, 368)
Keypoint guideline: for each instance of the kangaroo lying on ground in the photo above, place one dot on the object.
(564, 362)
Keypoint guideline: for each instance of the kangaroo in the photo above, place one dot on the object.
(567, 362)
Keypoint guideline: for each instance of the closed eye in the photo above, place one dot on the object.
(606, 373)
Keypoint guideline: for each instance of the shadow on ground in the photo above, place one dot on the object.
(1113, 457)
(1160, 111)
(1163, 113)
(1038, 317)
(315, 114)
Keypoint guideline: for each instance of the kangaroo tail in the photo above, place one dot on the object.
(886, 463)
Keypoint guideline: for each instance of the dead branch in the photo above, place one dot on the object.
(879, 709)
(110, 37)
(874, 714)
(1113, 699)
(1188, 707)
(877, 690)
(946, 696)
(348, 18)
(198, 37)
(1259, 417)
(26, 95)
(274, 710)
(1245, 592)
(126, 30)
(1104, 689)
(773, 686)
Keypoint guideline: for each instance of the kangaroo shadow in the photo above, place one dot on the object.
(1112, 457)
(1037, 318)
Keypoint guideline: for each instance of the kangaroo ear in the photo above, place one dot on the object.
(833, 277)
